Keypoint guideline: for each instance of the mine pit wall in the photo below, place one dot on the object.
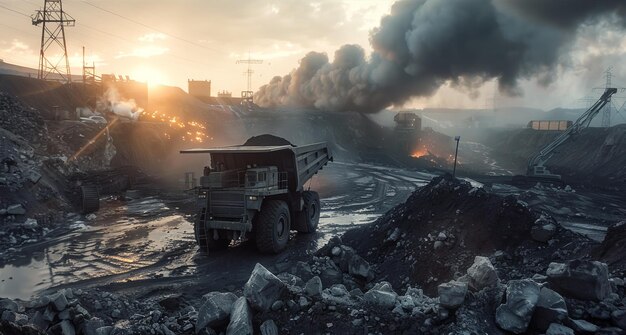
(596, 156)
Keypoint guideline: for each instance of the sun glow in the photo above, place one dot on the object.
(149, 75)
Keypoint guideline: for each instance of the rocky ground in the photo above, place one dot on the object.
(464, 261)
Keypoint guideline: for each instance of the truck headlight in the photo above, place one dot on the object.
(252, 197)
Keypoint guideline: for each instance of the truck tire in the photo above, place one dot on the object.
(272, 227)
(309, 217)
(90, 199)
(205, 242)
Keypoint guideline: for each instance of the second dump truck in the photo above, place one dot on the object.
(257, 192)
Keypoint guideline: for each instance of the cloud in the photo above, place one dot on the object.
(152, 37)
(144, 52)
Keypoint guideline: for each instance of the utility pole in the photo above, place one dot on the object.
(456, 153)
(53, 21)
(248, 93)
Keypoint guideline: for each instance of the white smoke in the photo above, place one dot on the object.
(127, 108)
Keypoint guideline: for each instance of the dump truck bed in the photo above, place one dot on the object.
(304, 160)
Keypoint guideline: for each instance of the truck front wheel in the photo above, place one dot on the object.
(309, 217)
(272, 226)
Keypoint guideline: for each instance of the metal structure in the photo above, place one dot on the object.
(258, 190)
(53, 21)
(536, 164)
(607, 112)
(89, 72)
(248, 93)
(456, 153)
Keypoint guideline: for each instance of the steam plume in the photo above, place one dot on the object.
(423, 44)
(113, 101)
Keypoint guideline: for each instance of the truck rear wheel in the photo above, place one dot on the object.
(205, 237)
(272, 226)
(309, 217)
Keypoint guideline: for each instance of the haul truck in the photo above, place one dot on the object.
(257, 192)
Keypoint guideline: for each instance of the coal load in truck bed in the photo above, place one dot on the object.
(267, 140)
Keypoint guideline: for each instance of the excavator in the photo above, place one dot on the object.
(536, 164)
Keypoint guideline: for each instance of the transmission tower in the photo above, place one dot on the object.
(53, 21)
(608, 109)
(248, 93)
(89, 72)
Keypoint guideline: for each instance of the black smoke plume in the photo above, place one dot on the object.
(423, 44)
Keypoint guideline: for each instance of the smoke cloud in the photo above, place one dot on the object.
(423, 44)
(112, 101)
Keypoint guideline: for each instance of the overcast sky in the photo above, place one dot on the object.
(171, 41)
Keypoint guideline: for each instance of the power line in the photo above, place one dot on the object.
(14, 11)
(151, 28)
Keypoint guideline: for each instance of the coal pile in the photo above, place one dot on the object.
(267, 140)
(438, 231)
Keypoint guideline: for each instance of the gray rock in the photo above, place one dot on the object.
(584, 280)
(67, 328)
(582, 327)
(482, 274)
(277, 305)
(241, 318)
(263, 288)
(551, 308)
(331, 276)
(8, 316)
(452, 294)
(610, 331)
(437, 245)
(215, 310)
(521, 298)
(338, 290)
(359, 267)
(543, 229)
(65, 314)
(116, 313)
(313, 287)
(558, 329)
(39, 322)
(380, 298)
(106, 330)
(16, 209)
(302, 270)
(92, 325)
(269, 328)
(619, 318)
(290, 279)
(58, 301)
(8, 305)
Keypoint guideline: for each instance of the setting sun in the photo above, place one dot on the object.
(149, 75)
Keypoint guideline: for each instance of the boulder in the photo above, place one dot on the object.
(551, 308)
(619, 318)
(359, 267)
(240, 319)
(331, 276)
(58, 301)
(558, 329)
(584, 280)
(482, 274)
(313, 287)
(582, 327)
(8, 305)
(380, 297)
(92, 325)
(215, 310)
(521, 298)
(263, 288)
(543, 229)
(452, 294)
(16, 209)
(269, 328)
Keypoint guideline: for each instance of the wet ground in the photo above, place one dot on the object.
(146, 246)
(148, 243)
